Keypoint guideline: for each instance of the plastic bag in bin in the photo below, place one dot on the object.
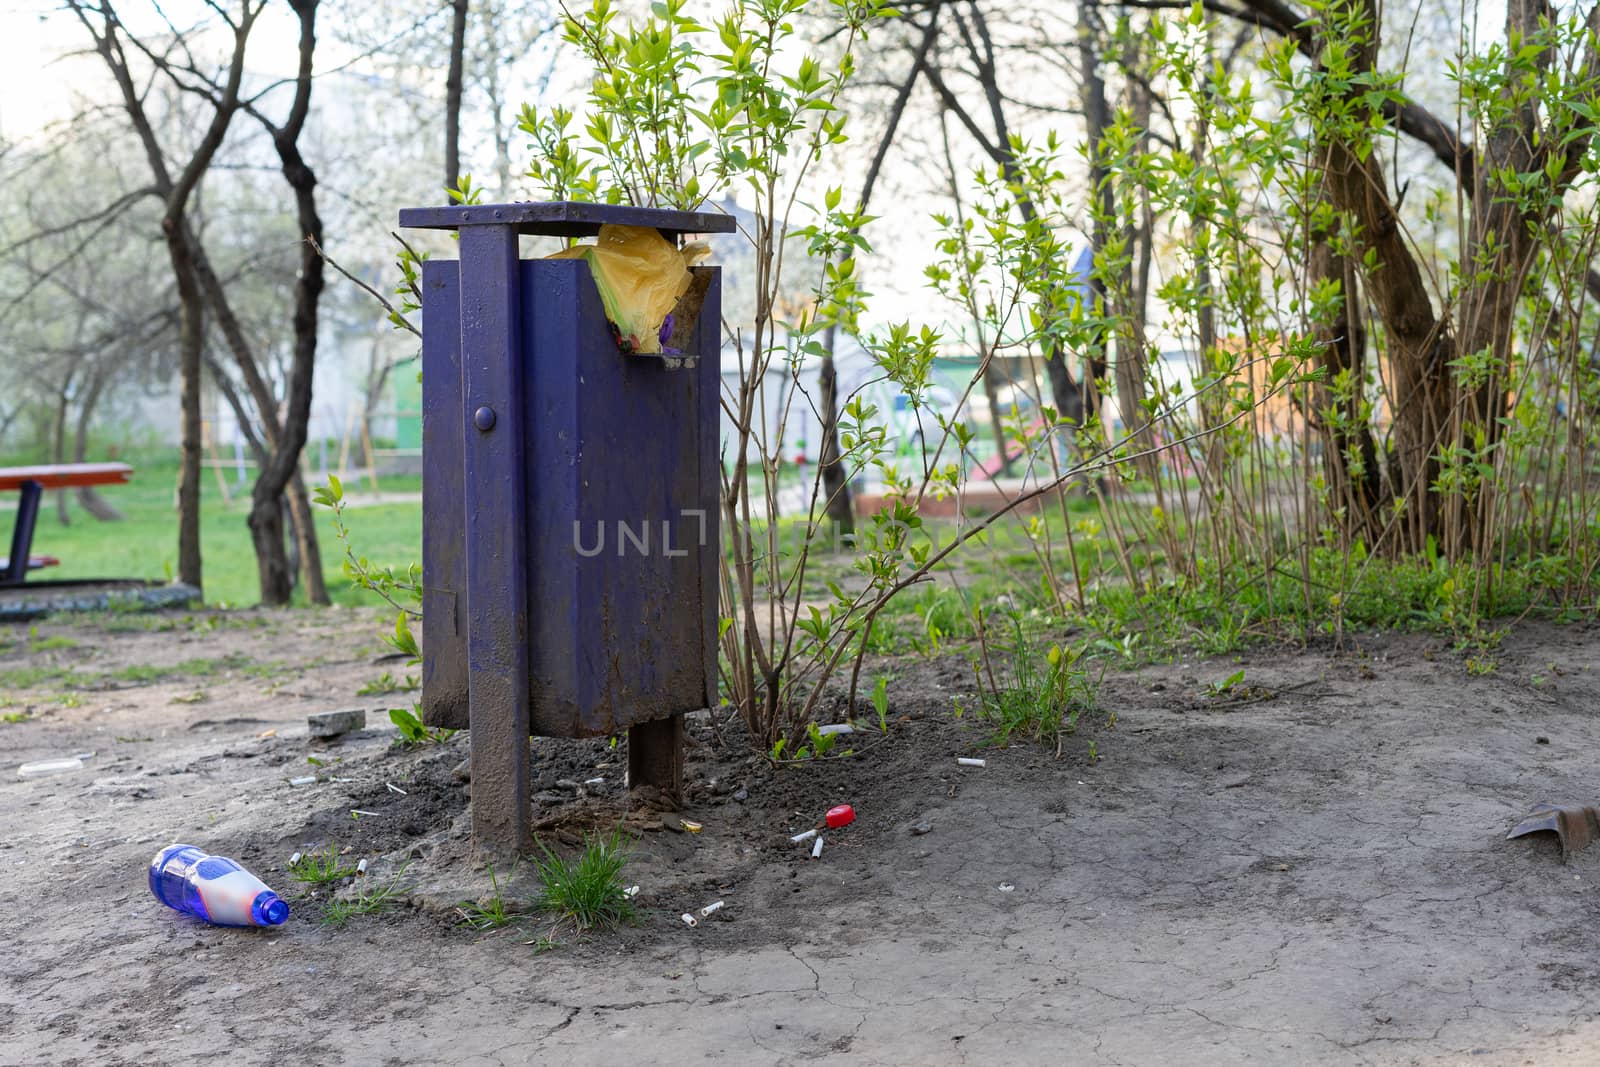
(640, 275)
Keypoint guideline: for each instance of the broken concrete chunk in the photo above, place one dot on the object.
(336, 723)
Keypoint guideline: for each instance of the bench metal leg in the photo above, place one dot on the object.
(22, 534)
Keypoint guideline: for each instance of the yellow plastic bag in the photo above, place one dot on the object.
(640, 276)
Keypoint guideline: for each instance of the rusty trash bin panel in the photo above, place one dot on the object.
(621, 480)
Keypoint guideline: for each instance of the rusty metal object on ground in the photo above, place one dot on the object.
(1576, 826)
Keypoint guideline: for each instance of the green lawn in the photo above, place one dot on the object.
(145, 544)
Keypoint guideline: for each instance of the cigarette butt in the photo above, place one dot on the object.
(965, 762)
(690, 825)
(358, 811)
(594, 781)
(706, 911)
(294, 859)
(689, 920)
(836, 728)
(395, 789)
(306, 780)
(361, 868)
(630, 892)
(807, 836)
(816, 849)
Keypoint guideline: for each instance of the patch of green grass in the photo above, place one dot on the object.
(1043, 695)
(203, 667)
(1224, 609)
(376, 901)
(490, 914)
(1223, 687)
(320, 868)
(53, 643)
(145, 543)
(587, 889)
(33, 677)
(388, 683)
(15, 716)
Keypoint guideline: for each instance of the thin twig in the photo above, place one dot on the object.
(394, 314)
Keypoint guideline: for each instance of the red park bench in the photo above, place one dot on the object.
(31, 482)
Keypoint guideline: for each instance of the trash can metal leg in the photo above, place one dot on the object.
(655, 756)
(497, 552)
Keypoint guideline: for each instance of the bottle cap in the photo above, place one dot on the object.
(843, 815)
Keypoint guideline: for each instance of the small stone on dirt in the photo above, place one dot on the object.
(742, 795)
(1541, 740)
(327, 724)
(462, 772)
(920, 827)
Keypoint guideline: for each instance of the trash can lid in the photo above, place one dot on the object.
(564, 218)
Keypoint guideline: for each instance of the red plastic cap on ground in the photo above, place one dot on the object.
(843, 815)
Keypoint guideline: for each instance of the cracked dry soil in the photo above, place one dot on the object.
(1311, 869)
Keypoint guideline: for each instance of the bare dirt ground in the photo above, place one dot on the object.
(1310, 869)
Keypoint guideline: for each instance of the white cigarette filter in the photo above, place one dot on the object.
(689, 920)
(715, 905)
(836, 728)
(816, 849)
(965, 762)
(806, 836)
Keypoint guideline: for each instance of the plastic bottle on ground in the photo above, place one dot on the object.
(213, 888)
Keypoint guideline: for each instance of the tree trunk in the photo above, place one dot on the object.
(175, 194)
(272, 565)
(1096, 117)
(1349, 453)
(309, 549)
(1132, 364)
(58, 443)
(835, 483)
(88, 499)
(266, 517)
(452, 94)
(191, 337)
(1420, 344)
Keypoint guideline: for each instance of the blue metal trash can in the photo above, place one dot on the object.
(570, 501)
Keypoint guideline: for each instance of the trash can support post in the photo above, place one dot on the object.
(655, 756)
(496, 522)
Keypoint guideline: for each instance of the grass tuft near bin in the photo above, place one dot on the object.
(588, 888)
